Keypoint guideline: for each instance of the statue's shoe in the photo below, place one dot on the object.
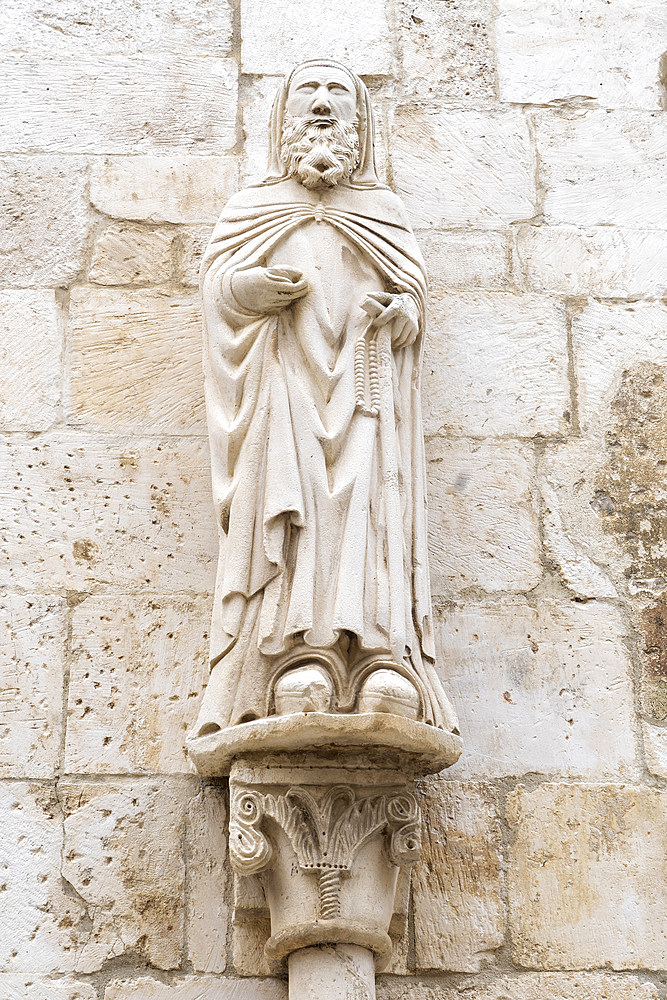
(388, 691)
(307, 688)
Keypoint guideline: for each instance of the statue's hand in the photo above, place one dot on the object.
(399, 310)
(265, 290)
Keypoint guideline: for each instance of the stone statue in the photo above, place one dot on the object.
(314, 297)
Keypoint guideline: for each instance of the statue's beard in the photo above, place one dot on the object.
(319, 152)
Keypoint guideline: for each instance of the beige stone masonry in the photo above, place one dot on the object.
(162, 188)
(200, 27)
(196, 988)
(117, 104)
(539, 688)
(44, 219)
(343, 30)
(123, 857)
(134, 361)
(31, 346)
(538, 986)
(131, 255)
(586, 877)
(457, 168)
(28, 987)
(562, 50)
(207, 912)
(137, 671)
(603, 168)
(465, 260)
(146, 491)
(484, 529)
(33, 630)
(459, 913)
(495, 365)
(446, 50)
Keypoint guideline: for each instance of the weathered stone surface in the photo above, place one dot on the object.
(197, 988)
(604, 261)
(131, 255)
(587, 876)
(564, 49)
(610, 342)
(459, 915)
(135, 361)
(248, 940)
(466, 260)
(655, 749)
(43, 219)
(532, 986)
(201, 27)
(123, 856)
(207, 910)
(496, 364)
(117, 104)
(356, 35)
(604, 168)
(137, 670)
(446, 50)
(483, 528)
(546, 689)
(26, 987)
(153, 498)
(162, 188)
(190, 246)
(32, 641)
(31, 345)
(463, 168)
(39, 917)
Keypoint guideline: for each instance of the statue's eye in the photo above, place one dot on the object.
(336, 88)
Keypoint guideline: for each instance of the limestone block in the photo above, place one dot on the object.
(32, 640)
(28, 987)
(459, 914)
(123, 856)
(196, 988)
(536, 986)
(81, 511)
(117, 104)
(356, 35)
(30, 352)
(131, 255)
(587, 876)
(459, 261)
(248, 940)
(137, 670)
(163, 188)
(135, 361)
(649, 618)
(496, 364)
(483, 528)
(463, 168)
(545, 689)
(655, 748)
(610, 341)
(604, 168)
(200, 27)
(39, 915)
(563, 49)
(190, 246)
(43, 219)
(604, 261)
(446, 50)
(591, 541)
(207, 910)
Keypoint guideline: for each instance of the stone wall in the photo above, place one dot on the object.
(529, 142)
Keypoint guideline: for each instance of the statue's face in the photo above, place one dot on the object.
(323, 92)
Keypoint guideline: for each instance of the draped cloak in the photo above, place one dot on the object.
(321, 507)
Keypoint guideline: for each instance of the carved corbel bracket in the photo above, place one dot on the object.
(327, 843)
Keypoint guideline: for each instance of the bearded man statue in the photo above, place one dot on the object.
(314, 296)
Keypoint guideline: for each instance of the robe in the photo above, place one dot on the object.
(320, 501)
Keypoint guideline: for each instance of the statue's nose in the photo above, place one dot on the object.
(321, 102)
